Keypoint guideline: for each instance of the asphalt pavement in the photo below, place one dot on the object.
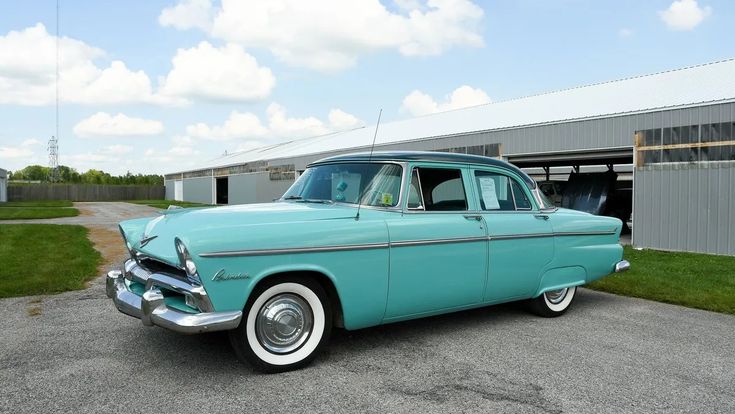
(607, 354)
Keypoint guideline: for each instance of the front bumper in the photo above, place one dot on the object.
(152, 309)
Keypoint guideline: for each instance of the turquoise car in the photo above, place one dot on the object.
(360, 240)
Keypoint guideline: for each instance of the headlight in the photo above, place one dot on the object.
(186, 262)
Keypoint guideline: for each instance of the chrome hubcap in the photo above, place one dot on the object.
(556, 296)
(284, 323)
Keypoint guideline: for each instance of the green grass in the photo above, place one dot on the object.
(24, 213)
(695, 280)
(163, 204)
(48, 203)
(45, 258)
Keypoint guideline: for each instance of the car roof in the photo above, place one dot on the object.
(427, 156)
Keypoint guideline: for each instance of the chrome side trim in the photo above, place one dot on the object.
(405, 243)
(429, 242)
(293, 250)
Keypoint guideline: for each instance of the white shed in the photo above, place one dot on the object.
(3, 186)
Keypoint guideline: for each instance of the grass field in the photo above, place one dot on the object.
(45, 258)
(163, 204)
(22, 213)
(699, 281)
(50, 203)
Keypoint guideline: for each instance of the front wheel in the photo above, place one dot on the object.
(553, 303)
(286, 323)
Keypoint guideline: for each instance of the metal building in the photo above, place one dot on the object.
(3, 186)
(674, 131)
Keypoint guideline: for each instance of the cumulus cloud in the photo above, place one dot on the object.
(211, 73)
(28, 72)
(187, 15)
(295, 30)
(684, 14)
(247, 127)
(418, 103)
(103, 124)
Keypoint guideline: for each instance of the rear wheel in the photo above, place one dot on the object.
(553, 303)
(286, 323)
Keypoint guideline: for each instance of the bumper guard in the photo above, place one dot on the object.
(152, 310)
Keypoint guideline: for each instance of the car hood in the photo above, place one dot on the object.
(155, 237)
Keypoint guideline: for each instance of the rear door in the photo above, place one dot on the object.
(438, 253)
(521, 238)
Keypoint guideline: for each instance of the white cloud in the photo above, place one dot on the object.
(418, 103)
(211, 73)
(103, 124)
(248, 130)
(28, 67)
(24, 150)
(116, 149)
(187, 15)
(330, 35)
(684, 14)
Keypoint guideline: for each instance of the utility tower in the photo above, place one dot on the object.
(53, 160)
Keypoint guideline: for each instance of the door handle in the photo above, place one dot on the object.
(476, 217)
(541, 216)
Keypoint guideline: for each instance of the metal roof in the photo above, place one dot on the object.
(691, 86)
(427, 156)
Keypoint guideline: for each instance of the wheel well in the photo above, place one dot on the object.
(325, 282)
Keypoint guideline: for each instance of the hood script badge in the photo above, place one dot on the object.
(221, 275)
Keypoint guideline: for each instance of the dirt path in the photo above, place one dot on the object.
(101, 219)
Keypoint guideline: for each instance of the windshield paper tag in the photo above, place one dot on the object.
(387, 199)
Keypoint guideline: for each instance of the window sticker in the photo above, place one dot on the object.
(489, 196)
(386, 199)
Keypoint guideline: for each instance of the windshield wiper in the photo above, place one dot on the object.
(307, 200)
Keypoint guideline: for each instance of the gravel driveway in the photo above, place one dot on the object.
(608, 354)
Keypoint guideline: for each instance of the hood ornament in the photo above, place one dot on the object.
(146, 240)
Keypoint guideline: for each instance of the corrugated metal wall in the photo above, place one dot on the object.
(609, 132)
(170, 187)
(685, 207)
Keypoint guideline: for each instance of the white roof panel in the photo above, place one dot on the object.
(712, 82)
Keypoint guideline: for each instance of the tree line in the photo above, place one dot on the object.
(72, 176)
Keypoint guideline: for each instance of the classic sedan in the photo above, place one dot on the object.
(360, 240)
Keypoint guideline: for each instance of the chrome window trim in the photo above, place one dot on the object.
(402, 243)
(461, 168)
(420, 189)
(500, 171)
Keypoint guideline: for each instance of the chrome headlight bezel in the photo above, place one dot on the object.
(186, 262)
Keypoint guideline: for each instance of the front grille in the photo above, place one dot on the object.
(155, 266)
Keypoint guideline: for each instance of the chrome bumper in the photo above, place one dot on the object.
(622, 266)
(151, 308)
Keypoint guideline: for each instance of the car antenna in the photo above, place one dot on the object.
(370, 158)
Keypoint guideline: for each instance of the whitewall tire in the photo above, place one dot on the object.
(286, 322)
(554, 302)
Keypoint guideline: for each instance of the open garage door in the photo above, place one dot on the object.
(597, 181)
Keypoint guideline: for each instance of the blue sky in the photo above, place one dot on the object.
(154, 86)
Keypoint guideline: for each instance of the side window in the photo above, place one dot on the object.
(499, 192)
(439, 189)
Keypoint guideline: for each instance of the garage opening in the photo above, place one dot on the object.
(597, 181)
(222, 190)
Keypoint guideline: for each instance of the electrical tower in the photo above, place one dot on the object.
(53, 160)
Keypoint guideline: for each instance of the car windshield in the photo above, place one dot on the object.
(372, 184)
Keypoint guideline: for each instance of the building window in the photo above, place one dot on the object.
(686, 144)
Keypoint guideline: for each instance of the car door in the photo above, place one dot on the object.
(438, 251)
(521, 239)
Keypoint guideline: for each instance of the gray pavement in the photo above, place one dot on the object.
(608, 354)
